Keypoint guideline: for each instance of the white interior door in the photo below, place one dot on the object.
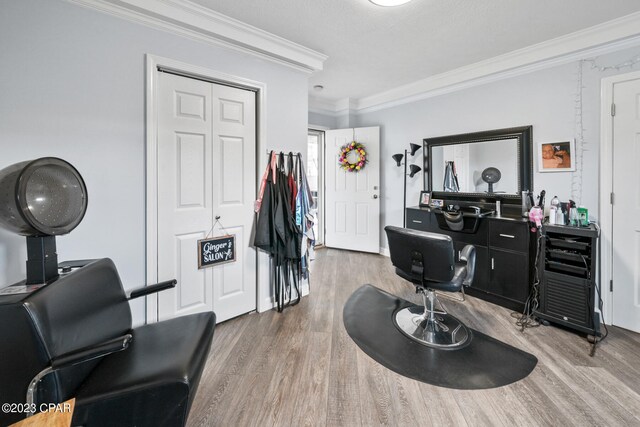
(206, 168)
(626, 209)
(352, 199)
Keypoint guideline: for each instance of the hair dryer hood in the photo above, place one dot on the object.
(491, 175)
(46, 196)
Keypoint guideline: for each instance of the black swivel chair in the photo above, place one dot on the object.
(428, 261)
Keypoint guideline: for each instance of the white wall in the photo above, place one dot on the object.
(322, 120)
(547, 99)
(72, 85)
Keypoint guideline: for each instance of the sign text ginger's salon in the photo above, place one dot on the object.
(216, 250)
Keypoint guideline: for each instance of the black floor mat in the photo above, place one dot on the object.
(484, 363)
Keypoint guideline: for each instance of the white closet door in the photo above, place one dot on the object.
(352, 205)
(206, 168)
(234, 190)
(626, 209)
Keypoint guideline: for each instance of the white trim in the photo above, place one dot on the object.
(185, 18)
(610, 36)
(151, 211)
(320, 218)
(606, 187)
(317, 127)
(323, 106)
(384, 251)
(269, 303)
(346, 105)
(333, 108)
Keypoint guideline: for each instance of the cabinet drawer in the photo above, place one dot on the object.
(418, 220)
(509, 235)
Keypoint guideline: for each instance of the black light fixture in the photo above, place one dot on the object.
(414, 148)
(41, 199)
(414, 169)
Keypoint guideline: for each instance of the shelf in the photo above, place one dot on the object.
(569, 243)
(564, 255)
(560, 267)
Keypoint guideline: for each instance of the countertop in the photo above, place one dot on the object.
(503, 217)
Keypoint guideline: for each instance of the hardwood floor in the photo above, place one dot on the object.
(300, 368)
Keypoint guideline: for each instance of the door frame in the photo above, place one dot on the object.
(321, 180)
(151, 170)
(606, 187)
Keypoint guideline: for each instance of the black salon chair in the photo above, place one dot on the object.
(73, 338)
(427, 260)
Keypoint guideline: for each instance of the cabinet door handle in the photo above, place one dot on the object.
(510, 236)
(492, 264)
(416, 221)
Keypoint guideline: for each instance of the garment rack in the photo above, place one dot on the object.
(284, 152)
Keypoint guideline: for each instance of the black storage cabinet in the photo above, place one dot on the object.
(567, 264)
(505, 254)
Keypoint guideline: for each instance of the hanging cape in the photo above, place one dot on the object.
(265, 229)
(450, 178)
(276, 229)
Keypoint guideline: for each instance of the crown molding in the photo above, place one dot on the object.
(610, 36)
(191, 20)
(323, 106)
(346, 105)
(332, 108)
(603, 38)
(367, 105)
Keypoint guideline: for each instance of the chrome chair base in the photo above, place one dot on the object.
(440, 330)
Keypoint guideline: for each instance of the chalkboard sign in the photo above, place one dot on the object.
(216, 250)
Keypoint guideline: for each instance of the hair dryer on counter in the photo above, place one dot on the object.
(536, 214)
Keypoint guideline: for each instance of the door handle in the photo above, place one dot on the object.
(510, 236)
(375, 196)
(492, 264)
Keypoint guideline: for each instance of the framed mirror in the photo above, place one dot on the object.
(489, 164)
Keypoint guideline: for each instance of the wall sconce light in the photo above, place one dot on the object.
(414, 169)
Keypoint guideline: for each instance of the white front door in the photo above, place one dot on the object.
(626, 207)
(352, 199)
(206, 168)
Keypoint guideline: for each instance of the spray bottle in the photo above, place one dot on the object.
(553, 209)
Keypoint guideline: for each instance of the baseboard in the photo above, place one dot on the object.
(384, 251)
(270, 302)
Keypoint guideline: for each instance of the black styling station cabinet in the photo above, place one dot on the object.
(504, 248)
(567, 277)
(478, 180)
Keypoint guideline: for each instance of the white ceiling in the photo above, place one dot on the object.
(372, 49)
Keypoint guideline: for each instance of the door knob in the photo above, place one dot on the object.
(375, 196)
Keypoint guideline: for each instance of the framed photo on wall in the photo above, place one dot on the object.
(425, 198)
(557, 156)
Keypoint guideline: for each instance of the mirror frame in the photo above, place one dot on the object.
(523, 135)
